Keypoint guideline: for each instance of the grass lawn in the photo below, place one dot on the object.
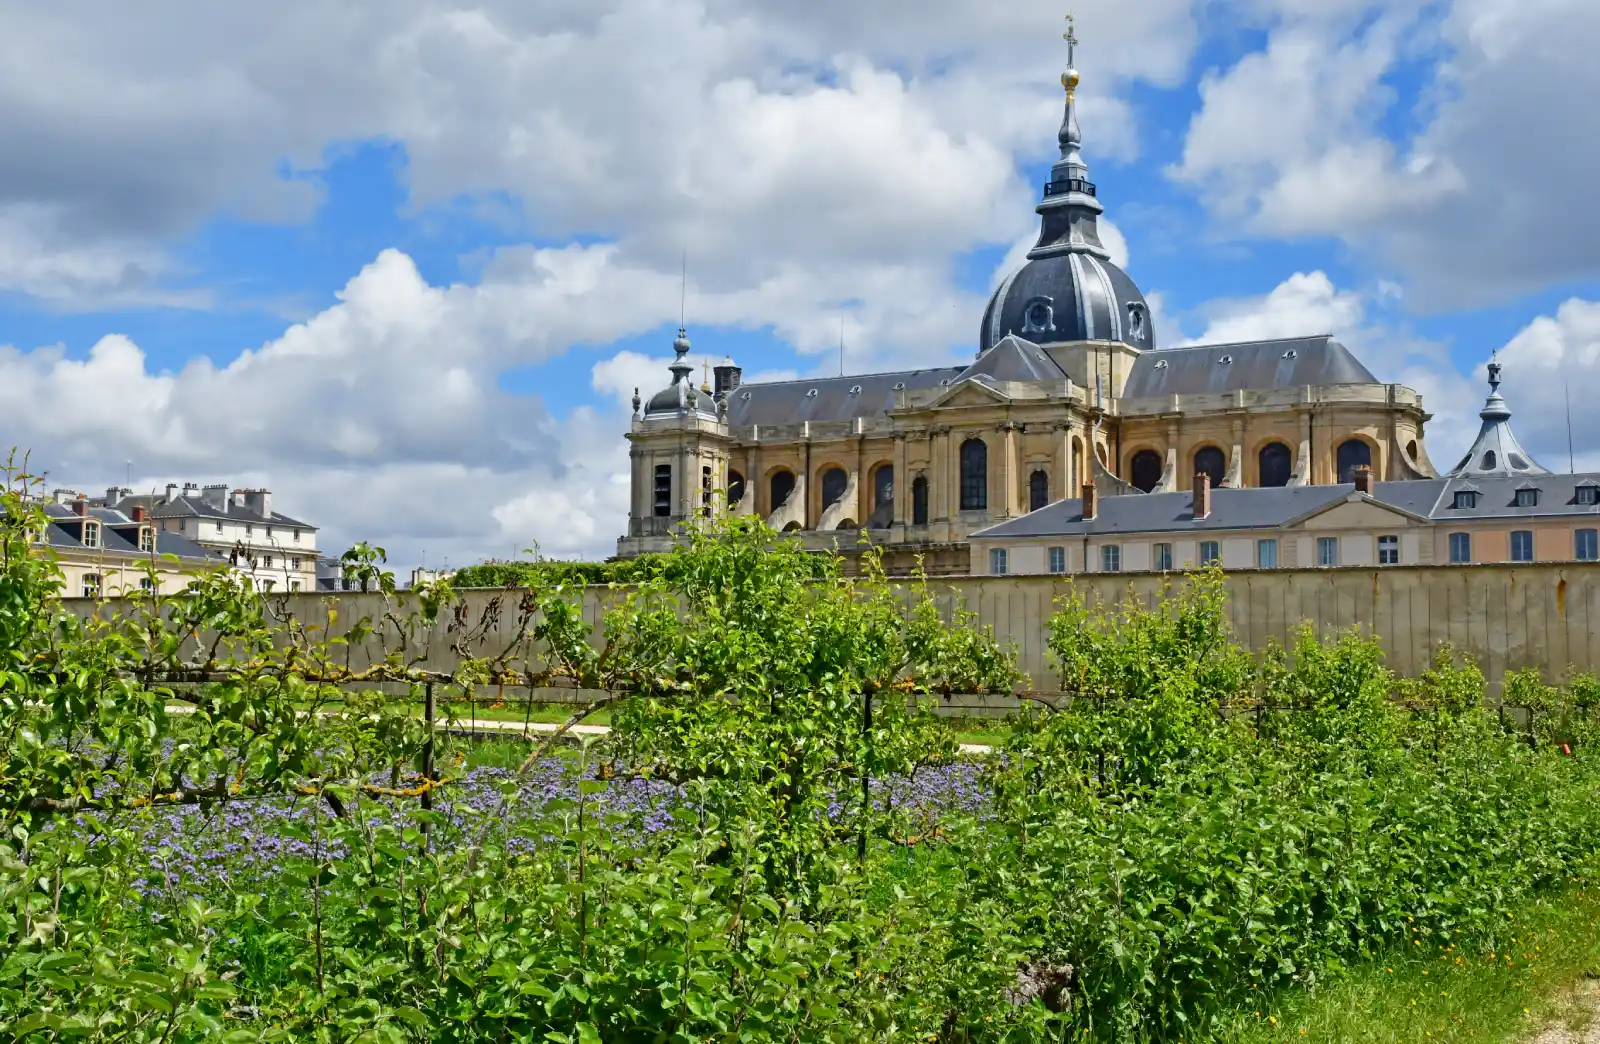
(1529, 979)
(988, 731)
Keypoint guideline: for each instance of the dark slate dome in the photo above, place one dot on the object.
(680, 397)
(1070, 296)
(1069, 290)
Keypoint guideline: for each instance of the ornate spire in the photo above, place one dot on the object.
(1070, 210)
(1496, 450)
(680, 365)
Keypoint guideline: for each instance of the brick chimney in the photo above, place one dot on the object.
(80, 507)
(216, 496)
(1363, 480)
(1091, 502)
(1202, 495)
(172, 492)
(139, 513)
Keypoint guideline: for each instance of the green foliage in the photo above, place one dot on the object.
(547, 572)
(1188, 828)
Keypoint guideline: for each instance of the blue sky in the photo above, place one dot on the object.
(405, 268)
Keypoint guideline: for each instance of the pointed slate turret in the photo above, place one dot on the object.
(1496, 450)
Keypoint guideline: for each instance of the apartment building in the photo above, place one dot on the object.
(277, 552)
(106, 553)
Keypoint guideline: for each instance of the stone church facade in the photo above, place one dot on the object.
(1068, 388)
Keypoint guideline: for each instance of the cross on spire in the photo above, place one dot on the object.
(1072, 40)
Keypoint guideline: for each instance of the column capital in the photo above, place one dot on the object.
(1005, 426)
(939, 429)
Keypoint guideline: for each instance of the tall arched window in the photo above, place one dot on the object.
(735, 488)
(1352, 454)
(1038, 490)
(974, 475)
(1145, 470)
(834, 481)
(1211, 461)
(1275, 462)
(1080, 469)
(663, 491)
(919, 501)
(882, 497)
(782, 483)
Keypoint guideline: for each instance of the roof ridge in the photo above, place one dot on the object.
(1243, 344)
(850, 376)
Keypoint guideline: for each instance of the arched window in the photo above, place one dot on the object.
(919, 501)
(1038, 490)
(834, 481)
(1352, 454)
(1145, 470)
(735, 488)
(1275, 462)
(883, 487)
(1211, 461)
(782, 485)
(882, 497)
(974, 475)
(1080, 469)
(663, 491)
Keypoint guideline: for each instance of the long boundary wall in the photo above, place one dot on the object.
(1506, 616)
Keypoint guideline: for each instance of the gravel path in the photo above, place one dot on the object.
(547, 727)
(1581, 1025)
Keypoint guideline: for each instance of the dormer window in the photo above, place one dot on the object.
(1039, 316)
(1465, 498)
(1526, 498)
(856, 390)
(1226, 360)
(91, 534)
(147, 538)
(1161, 364)
(1291, 354)
(1589, 496)
(1136, 321)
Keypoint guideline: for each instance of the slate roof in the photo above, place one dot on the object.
(1253, 365)
(1497, 494)
(119, 534)
(836, 398)
(1253, 508)
(190, 507)
(1258, 508)
(1014, 359)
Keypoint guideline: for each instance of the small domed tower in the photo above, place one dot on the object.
(679, 453)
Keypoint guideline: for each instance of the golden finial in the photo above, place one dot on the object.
(1069, 79)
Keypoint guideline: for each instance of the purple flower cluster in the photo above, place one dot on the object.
(245, 845)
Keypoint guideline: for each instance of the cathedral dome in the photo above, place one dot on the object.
(1069, 290)
(1069, 296)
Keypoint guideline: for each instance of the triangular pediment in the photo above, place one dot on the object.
(972, 392)
(1357, 511)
